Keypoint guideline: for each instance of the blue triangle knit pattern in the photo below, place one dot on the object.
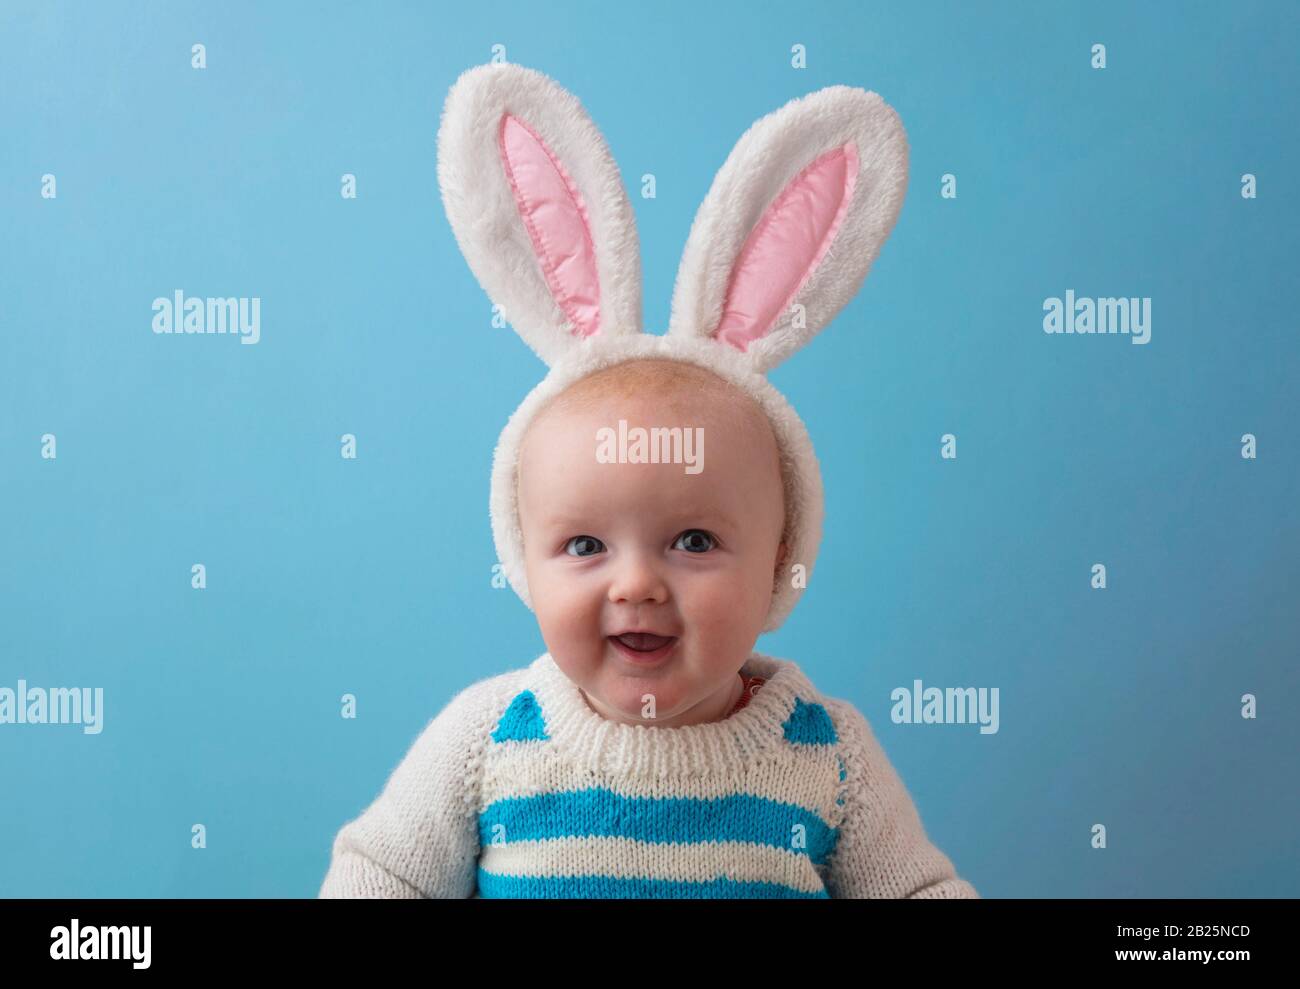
(522, 720)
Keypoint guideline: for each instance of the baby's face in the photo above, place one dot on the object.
(612, 547)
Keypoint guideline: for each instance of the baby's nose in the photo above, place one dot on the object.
(637, 580)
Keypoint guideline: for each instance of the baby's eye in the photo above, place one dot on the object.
(697, 537)
(591, 542)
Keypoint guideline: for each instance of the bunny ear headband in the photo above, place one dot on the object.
(783, 240)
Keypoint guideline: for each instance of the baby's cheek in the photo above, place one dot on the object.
(562, 606)
(726, 600)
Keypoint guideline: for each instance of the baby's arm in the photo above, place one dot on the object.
(882, 850)
(419, 838)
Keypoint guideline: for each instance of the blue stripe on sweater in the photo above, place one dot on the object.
(492, 886)
(689, 820)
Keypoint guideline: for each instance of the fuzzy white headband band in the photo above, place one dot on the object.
(784, 239)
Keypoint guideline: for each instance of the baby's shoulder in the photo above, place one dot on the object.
(452, 742)
(841, 723)
(851, 725)
(846, 721)
(485, 700)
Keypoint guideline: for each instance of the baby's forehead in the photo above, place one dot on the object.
(732, 432)
(723, 459)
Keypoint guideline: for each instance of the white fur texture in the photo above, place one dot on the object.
(771, 153)
(485, 219)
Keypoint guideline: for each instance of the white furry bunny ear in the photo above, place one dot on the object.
(792, 224)
(539, 208)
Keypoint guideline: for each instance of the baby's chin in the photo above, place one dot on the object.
(647, 704)
(635, 692)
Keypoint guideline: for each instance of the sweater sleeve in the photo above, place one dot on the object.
(419, 838)
(882, 850)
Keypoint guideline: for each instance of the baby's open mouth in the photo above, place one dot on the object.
(643, 641)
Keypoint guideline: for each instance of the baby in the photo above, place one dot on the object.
(649, 752)
(650, 580)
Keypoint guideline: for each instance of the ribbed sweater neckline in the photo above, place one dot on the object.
(718, 747)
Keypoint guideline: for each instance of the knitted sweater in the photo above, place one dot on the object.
(519, 789)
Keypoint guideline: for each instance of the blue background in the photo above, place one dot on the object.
(373, 577)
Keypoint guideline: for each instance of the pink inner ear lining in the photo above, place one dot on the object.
(787, 245)
(556, 219)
